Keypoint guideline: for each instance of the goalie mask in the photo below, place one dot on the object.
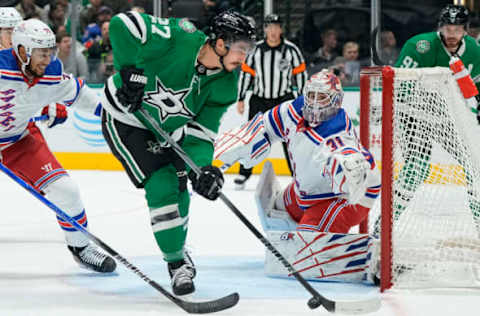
(323, 97)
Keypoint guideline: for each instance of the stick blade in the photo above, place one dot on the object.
(210, 306)
(357, 307)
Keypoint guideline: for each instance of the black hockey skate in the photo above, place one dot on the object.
(240, 182)
(182, 273)
(90, 258)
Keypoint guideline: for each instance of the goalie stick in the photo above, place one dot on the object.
(345, 307)
(190, 307)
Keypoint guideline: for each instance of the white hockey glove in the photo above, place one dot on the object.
(355, 168)
(247, 144)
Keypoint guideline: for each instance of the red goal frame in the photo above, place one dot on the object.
(387, 76)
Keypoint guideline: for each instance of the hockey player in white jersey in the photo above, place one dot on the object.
(9, 18)
(335, 180)
(31, 77)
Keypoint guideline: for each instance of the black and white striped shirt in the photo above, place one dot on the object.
(271, 71)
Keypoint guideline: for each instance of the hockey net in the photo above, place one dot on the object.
(425, 140)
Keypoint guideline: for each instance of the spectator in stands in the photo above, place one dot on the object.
(28, 10)
(93, 30)
(138, 9)
(348, 65)
(325, 55)
(40, 3)
(56, 14)
(97, 54)
(118, 6)
(88, 15)
(210, 9)
(474, 29)
(67, 5)
(389, 50)
(76, 65)
(106, 69)
(61, 28)
(142, 6)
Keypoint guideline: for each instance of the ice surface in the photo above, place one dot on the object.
(39, 277)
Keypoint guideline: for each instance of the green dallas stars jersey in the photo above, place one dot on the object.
(175, 95)
(427, 50)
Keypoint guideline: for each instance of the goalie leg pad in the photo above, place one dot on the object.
(321, 256)
(267, 192)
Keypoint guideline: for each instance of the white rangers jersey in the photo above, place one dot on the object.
(317, 175)
(20, 99)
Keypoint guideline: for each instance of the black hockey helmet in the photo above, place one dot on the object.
(453, 14)
(232, 26)
(272, 19)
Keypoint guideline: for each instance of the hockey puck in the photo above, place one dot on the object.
(314, 303)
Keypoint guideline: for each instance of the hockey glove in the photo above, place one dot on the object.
(130, 95)
(56, 113)
(355, 168)
(208, 183)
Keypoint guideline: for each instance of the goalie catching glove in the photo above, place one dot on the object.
(208, 183)
(56, 113)
(130, 95)
(355, 168)
(247, 144)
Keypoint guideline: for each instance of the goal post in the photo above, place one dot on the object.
(423, 136)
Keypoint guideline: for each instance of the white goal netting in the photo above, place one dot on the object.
(434, 200)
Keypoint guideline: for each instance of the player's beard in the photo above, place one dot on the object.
(32, 72)
(452, 42)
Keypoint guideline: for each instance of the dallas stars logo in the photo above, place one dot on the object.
(169, 102)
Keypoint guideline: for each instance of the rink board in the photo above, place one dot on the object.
(79, 143)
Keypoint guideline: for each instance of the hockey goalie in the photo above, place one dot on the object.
(335, 182)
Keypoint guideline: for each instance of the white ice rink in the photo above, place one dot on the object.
(39, 277)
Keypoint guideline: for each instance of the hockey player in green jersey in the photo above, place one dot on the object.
(430, 50)
(184, 79)
(436, 48)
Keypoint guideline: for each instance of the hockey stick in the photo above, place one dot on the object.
(347, 307)
(189, 307)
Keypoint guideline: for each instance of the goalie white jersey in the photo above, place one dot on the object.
(315, 154)
(20, 100)
(328, 161)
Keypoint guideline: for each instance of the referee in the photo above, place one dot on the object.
(273, 69)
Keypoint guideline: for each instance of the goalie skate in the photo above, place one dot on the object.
(90, 258)
(182, 274)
